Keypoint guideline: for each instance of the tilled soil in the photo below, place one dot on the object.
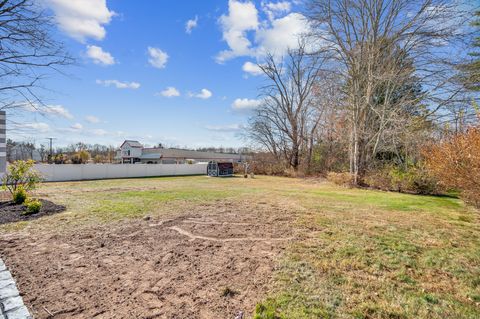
(11, 212)
(211, 263)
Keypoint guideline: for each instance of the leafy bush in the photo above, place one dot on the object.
(456, 163)
(412, 178)
(343, 179)
(19, 195)
(60, 159)
(80, 157)
(21, 178)
(33, 206)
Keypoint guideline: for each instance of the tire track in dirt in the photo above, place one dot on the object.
(153, 268)
(193, 237)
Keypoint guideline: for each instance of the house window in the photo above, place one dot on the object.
(128, 152)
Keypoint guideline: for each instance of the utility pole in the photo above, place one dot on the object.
(50, 155)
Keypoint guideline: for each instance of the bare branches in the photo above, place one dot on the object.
(27, 51)
(397, 60)
(288, 117)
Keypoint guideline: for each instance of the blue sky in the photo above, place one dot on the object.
(177, 72)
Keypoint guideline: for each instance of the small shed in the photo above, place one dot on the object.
(221, 169)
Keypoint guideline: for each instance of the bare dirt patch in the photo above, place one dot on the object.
(153, 268)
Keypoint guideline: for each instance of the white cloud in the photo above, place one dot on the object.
(158, 58)
(252, 68)
(282, 35)
(99, 56)
(92, 119)
(78, 129)
(282, 6)
(77, 126)
(119, 84)
(55, 110)
(81, 19)
(191, 24)
(273, 9)
(169, 92)
(245, 104)
(242, 17)
(225, 128)
(274, 35)
(38, 127)
(204, 94)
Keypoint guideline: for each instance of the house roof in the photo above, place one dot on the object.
(132, 143)
(188, 154)
(150, 156)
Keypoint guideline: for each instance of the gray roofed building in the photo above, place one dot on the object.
(134, 152)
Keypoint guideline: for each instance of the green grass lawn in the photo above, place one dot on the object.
(361, 253)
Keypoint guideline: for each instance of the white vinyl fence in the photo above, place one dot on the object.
(78, 172)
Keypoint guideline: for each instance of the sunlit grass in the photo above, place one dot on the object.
(139, 203)
(370, 254)
(360, 253)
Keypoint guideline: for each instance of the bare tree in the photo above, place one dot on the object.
(327, 138)
(396, 61)
(285, 122)
(27, 52)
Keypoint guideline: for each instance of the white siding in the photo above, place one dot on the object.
(134, 151)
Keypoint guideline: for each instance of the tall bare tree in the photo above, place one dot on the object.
(471, 69)
(394, 57)
(285, 122)
(27, 52)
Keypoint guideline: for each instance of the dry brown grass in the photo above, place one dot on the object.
(357, 253)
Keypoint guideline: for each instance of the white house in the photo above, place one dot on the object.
(134, 152)
(129, 151)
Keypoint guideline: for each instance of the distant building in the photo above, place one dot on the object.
(133, 152)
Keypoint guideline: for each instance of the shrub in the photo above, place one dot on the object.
(19, 195)
(59, 159)
(33, 206)
(22, 177)
(343, 179)
(412, 178)
(267, 164)
(456, 163)
(81, 157)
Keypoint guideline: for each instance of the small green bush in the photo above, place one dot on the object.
(19, 195)
(33, 206)
(21, 178)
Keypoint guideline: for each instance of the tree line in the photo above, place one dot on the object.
(76, 153)
(80, 152)
(367, 88)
